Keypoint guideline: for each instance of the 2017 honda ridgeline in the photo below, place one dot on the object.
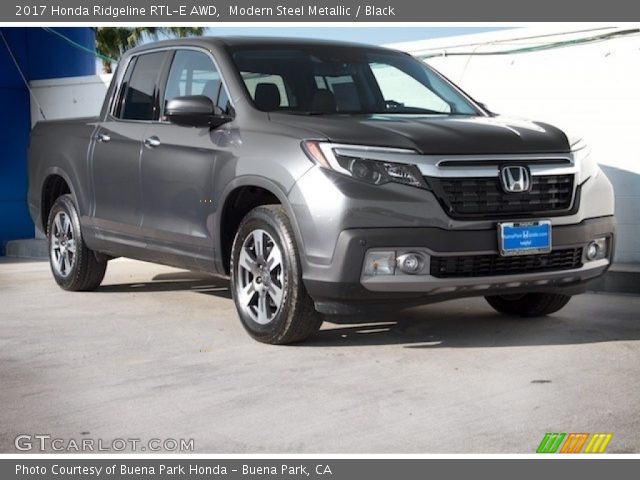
(323, 178)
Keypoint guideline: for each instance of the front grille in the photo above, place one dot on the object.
(488, 265)
(468, 197)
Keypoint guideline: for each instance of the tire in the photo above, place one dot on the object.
(266, 279)
(528, 304)
(74, 266)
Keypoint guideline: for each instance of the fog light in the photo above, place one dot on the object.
(596, 250)
(410, 263)
(380, 263)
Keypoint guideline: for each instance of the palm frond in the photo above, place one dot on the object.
(114, 41)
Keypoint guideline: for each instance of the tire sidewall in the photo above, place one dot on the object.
(261, 219)
(529, 305)
(65, 204)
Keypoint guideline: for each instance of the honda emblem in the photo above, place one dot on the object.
(515, 179)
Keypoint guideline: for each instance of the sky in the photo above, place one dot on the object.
(376, 35)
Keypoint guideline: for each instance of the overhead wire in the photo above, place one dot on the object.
(534, 48)
(64, 38)
(24, 78)
(79, 46)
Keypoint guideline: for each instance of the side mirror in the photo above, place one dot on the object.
(485, 107)
(195, 111)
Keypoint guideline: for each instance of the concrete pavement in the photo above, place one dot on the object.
(160, 353)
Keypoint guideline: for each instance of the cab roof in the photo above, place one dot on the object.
(249, 41)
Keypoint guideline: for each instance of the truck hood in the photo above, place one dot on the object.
(457, 135)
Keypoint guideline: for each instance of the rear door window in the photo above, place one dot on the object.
(140, 95)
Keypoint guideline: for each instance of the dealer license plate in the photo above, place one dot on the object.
(524, 238)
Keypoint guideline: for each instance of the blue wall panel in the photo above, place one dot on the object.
(14, 133)
(40, 55)
(51, 56)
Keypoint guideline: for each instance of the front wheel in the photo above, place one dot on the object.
(528, 304)
(266, 279)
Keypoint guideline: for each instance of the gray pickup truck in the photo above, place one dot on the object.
(322, 178)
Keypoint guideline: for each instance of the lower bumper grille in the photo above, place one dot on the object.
(489, 265)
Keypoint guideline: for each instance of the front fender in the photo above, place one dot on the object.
(251, 181)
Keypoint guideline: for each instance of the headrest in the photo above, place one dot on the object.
(267, 96)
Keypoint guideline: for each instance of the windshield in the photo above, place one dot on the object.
(328, 79)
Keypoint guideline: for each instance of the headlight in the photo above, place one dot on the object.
(587, 166)
(367, 164)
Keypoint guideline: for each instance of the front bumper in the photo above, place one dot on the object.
(339, 288)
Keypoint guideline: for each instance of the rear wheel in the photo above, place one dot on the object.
(266, 279)
(73, 265)
(528, 304)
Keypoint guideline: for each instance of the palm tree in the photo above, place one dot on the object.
(112, 42)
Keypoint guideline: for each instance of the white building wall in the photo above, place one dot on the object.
(592, 90)
(68, 97)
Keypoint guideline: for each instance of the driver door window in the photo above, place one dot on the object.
(193, 73)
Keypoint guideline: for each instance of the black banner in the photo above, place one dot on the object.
(317, 469)
(204, 11)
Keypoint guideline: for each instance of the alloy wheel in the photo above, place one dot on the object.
(261, 277)
(63, 244)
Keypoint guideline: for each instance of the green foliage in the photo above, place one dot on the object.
(112, 42)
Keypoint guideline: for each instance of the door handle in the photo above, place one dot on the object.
(152, 142)
(103, 137)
